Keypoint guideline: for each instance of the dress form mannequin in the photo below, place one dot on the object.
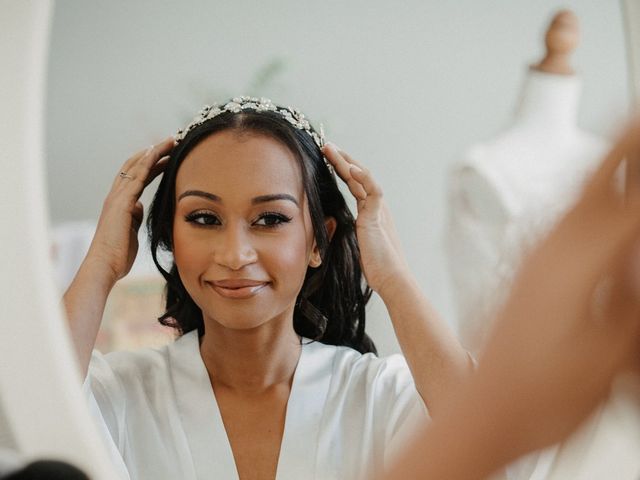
(508, 190)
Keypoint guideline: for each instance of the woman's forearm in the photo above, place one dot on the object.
(84, 302)
(470, 440)
(437, 360)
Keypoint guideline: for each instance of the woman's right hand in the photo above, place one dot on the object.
(115, 243)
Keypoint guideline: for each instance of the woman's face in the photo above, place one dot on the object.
(242, 231)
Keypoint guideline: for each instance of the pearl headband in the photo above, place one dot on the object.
(238, 104)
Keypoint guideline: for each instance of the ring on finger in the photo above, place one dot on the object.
(125, 175)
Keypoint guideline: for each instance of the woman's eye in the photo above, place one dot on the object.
(271, 220)
(202, 218)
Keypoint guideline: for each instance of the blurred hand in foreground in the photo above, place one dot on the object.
(570, 324)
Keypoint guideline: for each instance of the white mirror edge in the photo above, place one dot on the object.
(35, 341)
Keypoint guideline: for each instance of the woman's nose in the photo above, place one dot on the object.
(235, 249)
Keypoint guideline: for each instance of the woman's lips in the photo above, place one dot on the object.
(237, 289)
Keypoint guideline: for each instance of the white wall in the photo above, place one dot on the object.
(404, 86)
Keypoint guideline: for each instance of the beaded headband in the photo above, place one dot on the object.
(238, 104)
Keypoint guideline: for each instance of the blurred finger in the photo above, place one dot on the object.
(603, 244)
(615, 342)
(632, 175)
(634, 270)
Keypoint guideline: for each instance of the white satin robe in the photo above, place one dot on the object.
(346, 413)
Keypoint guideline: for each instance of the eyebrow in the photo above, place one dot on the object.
(254, 201)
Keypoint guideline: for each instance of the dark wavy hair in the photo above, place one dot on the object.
(330, 307)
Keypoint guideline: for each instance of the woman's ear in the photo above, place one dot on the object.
(330, 224)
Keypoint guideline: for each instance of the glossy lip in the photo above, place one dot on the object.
(237, 288)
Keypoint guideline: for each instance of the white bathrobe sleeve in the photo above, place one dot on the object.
(105, 401)
(372, 409)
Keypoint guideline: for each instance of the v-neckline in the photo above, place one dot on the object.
(291, 395)
(202, 420)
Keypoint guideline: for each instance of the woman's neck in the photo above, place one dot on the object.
(549, 102)
(251, 361)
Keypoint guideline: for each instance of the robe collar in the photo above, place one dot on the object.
(202, 422)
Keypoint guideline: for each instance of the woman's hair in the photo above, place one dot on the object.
(330, 307)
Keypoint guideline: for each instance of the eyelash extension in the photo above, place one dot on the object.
(193, 217)
(280, 217)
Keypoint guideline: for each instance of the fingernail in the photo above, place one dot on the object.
(355, 168)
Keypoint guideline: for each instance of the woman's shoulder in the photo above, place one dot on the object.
(136, 365)
(142, 358)
(351, 366)
(376, 392)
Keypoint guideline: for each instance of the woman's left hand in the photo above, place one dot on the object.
(380, 250)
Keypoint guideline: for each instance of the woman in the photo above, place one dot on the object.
(273, 374)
